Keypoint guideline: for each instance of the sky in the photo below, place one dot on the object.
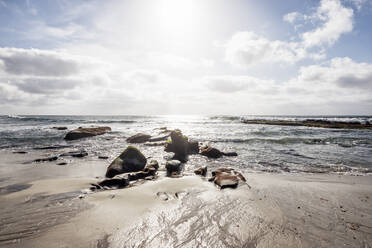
(199, 57)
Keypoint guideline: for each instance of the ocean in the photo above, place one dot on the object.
(278, 149)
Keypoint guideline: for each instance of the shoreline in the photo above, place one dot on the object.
(279, 210)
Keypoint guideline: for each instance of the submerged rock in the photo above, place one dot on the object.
(49, 159)
(60, 128)
(86, 132)
(130, 160)
(75, 154)
(226, 178)
(159, 138)
(201, 171)
(139, 138)
(211, 152)
(174, 168)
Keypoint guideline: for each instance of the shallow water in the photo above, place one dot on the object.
(260, 147)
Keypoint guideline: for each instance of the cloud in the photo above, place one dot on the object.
(337, 20)
(332, 19)
(246, 48)
(291, 17)
(36, 62)
(340, 73)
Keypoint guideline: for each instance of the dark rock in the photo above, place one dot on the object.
(230, 154)
(46, 159)
(201, 171)
(130, 160)
(60, 128)
(148, 172)
(178, 144)
(20, 152)
(139, 138)
(50, 147)
(103, 157)
(86, 132)
(193, 147)
(173, 166)
(210, 152)
(117, 182)
(62, 163)
(75, 154)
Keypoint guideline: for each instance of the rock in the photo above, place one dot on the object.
(230, 154)
(62, 163)
(226, 181)
(50, 147)
(210, 152)
(20, 152)
(139, 138)
(201, 171)
(46, 159)
(227, 178)
(178, 144)
(75, 154)
(60, 128)
(103, 157)
(130, 160)
(86, 132)
(173, 166)
(148, 172)
(193, 147)
(117, 182)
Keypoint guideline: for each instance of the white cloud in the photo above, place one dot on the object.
(332, 18)
(246, 48)
(233, 84)
(337, 20)
(291, 17)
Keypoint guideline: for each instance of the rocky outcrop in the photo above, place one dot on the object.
(139, 138)
(201, 171)
(174, 168)
(60, 128)
(227, 178)
(130, 160)
(49, 159)
(212, 152)
(86, 132)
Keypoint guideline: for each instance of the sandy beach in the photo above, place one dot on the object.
(273, 210)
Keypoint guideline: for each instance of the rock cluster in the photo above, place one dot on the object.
(180, 145)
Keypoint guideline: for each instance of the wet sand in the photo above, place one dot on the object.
(277, 210)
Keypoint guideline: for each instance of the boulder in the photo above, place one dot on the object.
(49, 159)
(130, 160)
(86, 132)
(210, 152)
(201, 171)
(139, 138)
(173, 167)
(178, 144)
